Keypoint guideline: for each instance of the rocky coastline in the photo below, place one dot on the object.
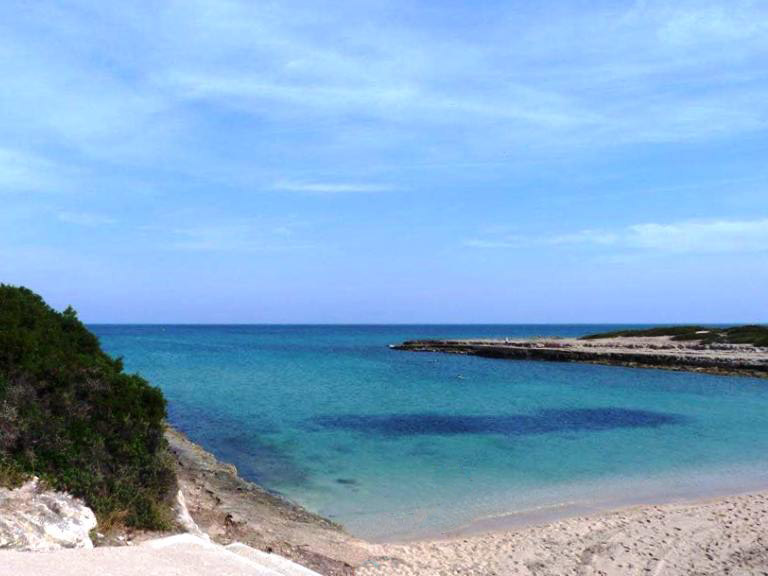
(214, 505)
(241, 529)
(229, 509)
(659, 352)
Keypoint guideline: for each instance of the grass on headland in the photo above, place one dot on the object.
(748, 334)
(70, 415)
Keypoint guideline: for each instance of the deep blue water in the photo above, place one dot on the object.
(397, 444)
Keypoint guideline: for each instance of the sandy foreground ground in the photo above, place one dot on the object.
(182, 555)
(727, 535)
(724, 536)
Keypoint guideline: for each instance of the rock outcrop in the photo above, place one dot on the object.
(652, 352)
(230, 509)
(185, 520)
(35, 519)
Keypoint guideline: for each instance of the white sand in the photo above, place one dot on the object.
(723, 536)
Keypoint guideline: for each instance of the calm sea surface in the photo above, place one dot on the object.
(400, 444)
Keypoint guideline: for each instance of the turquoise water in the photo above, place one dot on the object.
(399, 444)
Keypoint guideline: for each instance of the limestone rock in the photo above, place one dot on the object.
(38, 520)
(184, 518)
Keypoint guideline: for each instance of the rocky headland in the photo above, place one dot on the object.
(695, 351)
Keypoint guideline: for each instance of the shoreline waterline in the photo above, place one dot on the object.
(699, 489)
(617, 495)
(696, 534)
(507, 522)
(712, 537)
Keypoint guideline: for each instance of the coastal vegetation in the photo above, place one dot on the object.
(70, 415)
(748, 334)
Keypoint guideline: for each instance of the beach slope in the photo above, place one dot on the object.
(723, 536)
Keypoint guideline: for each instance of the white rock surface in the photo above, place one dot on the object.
(180, 555)
(273, 561)
(32, 519)
(184, 518)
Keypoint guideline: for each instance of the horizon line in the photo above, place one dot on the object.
(319, 324)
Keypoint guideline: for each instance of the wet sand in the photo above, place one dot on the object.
(721, 536)
(725, 535)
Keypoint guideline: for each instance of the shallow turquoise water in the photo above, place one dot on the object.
(400, 444)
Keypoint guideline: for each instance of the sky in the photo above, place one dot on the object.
(387, 161)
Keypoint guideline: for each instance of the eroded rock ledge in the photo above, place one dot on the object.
(652, 352)
(229, 509)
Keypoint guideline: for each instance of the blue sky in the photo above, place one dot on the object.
(387, 161)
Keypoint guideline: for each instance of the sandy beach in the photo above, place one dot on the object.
(721, 536)
(724, 535)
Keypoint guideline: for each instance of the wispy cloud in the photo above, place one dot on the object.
(330, 187)
(89, 219)
(523, 81)
(172, 114)
(243, 235)
(23, 172)
(700, 237)
(601, 76)
(582, 237)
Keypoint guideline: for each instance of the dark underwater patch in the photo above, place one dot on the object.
(261, 462)
(541, 422)
(347, 481)
(257, 458)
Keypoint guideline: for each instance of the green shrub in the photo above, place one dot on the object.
(676, 331)
(69, 414)
(750, 334)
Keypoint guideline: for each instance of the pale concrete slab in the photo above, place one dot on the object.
(181, 555)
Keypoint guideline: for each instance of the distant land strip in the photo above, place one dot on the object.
(739, 350)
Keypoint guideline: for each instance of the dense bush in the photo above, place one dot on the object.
(69, 414)
(749, 334)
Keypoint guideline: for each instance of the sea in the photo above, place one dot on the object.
(397, 445)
